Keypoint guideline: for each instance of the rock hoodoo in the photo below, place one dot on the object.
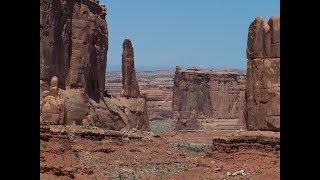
(130, 87)
(201, 98)
(52, 106)
(262, 95)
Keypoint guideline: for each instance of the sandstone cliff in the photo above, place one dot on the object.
(262, 96)
(73, 47)
(73, 44)
(201, 97)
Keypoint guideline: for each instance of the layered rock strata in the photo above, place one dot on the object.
(246, 141)
(203, 98)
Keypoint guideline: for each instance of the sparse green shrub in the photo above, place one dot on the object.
(195, 149)
(77, 155)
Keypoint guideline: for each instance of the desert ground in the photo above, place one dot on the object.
(71, 153)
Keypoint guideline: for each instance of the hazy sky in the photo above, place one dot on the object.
(211, 33)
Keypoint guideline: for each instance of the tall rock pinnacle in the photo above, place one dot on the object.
(130, 87)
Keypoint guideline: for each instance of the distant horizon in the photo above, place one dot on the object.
(186, 33)
(117, 67)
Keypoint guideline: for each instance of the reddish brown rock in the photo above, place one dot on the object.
(256, 38)
(265, 141)
(87, 122)
(274, 23)
(202, 97)
(264, 38)
(262, 96)
(267, 39)
(52, 106)
(130, 87)
(73, 44)
(73, 47)
(119, 113)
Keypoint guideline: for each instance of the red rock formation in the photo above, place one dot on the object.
(201, 97)
(130, 87)
(262, 107)
(246, 141)
(52, 106)
(73, 46)
(155, 85)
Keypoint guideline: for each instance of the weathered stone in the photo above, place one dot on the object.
(53, 91)
(200, 96)
(130, 87)
(274, 23)
(77, 104)
(262, 95)
(264, 38)
(87, 122)
(255, 43)
(116, 114)
(45, 93)
(178, 68)
(104, 9)
(52, 106)
(267, 39)
(73, 46)
(54, 82)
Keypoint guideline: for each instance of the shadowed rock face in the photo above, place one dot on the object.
(130, 87)
(73, 47)
(200, 96)
(73, 44)
(262, 96)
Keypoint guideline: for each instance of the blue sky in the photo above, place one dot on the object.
(205, 33)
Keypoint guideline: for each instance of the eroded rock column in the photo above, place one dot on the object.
(130, 87)
(262, 96)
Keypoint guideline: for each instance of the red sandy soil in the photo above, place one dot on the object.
(136, 155)
(256, 164)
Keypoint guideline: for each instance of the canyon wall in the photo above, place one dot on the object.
(204, 98)
(262, 95)
(73, 47)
